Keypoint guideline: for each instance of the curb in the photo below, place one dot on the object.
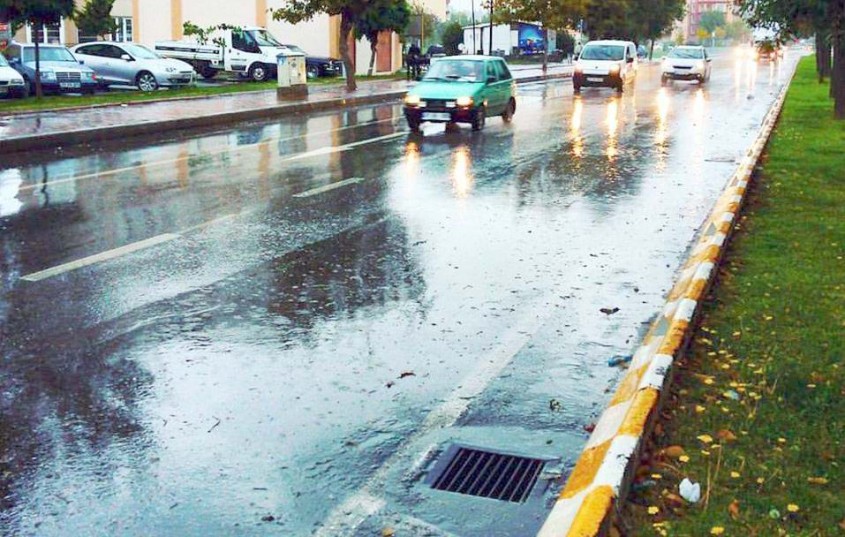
(110, 133)
(603, 472)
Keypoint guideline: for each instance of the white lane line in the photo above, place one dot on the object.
(328, 188)
(345, 518)
(215, 221)
(219, 151)
(338, 148)
(97, 258)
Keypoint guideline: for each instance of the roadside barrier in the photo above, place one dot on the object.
(603, 472)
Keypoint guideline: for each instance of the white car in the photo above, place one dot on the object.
(605, 63)
(11, 82)
(133, 65)
(686, 62)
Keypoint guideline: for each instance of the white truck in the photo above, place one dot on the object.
(250, 52)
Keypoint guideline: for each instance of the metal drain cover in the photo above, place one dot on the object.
(487, 474)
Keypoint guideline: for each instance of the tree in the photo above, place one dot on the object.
(652, 19)
(452, 35)
(710, 20)
(350, 11)
(36, 13)
(383, 16)
(551, 14)
(95, 18)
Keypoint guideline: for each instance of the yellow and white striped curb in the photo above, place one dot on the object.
(602, 473)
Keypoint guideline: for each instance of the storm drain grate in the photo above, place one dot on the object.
(490, 475)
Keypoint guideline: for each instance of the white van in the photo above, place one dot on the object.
(605, 63)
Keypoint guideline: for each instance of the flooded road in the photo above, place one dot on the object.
(280, 329)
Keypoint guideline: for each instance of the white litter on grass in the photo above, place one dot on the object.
(690, 491)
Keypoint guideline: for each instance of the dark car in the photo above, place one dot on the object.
(60, 70)
(318, 66)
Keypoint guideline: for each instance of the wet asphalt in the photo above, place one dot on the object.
(279, 328)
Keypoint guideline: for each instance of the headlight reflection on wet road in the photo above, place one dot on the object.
(462, 178)
(575, 128)
(612, 122)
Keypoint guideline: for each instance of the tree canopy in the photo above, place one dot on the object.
(95, 18)
(383, 16)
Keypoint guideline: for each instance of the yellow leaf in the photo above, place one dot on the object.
(653, 510)
(706, 438)
(792, 508)
(699, 409)
(817, 480)
(708, 381)
(717, 530)
(760, 480)
(656, 476)
(733, 509)
(683, 458)
(734, 475)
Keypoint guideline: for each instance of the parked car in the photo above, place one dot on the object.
(462, 89)
(605, 63)
(60, 70)
(318, 66)
(133, 65)
(11, 82)
(688, 62)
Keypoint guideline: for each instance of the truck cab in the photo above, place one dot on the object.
(250, 52)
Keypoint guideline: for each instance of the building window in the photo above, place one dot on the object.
(123, 34)
(51, 34)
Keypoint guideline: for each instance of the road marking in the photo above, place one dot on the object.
(97, 258)
(219, 151)
(328, 188)
(338, 148)
(345, 518)
(212, 222)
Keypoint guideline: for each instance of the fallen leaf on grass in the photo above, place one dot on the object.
(817, 480)
(717, 530)
(726, 435)
(733, 509)
(653, 510)
(706, 438)
(673, 451)
(793, 508)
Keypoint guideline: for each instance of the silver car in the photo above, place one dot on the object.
(134, 65)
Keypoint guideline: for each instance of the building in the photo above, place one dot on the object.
(695, 8)
(148, 21)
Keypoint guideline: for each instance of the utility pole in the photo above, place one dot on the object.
(490, 48)
(474, 48)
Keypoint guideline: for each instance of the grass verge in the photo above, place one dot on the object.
(58, 102)
(756, 413)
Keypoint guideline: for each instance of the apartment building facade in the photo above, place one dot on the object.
(696, 8)
(148, 21)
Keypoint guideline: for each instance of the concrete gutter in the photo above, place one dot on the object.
(600, 480)
(114, 132)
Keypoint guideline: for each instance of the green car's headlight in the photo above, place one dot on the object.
(412, 100)
(464, 101)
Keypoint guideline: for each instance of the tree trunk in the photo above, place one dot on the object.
(38, 91)
(651, 51)
(822, 56)
(837, 78)
(345, 30)
(545, 47)
(373, 46)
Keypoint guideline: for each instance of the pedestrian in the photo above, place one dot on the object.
(413, 60)
(577, 49)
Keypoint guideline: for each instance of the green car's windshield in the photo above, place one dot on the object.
(687, 53)
(603, 52)
(456, 71)
(48, 54)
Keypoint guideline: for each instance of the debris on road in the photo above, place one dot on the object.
(609, 311)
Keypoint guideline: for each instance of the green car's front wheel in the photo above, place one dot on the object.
(413, 124)
(507, 115)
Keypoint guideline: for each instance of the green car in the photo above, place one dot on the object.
(462, 89)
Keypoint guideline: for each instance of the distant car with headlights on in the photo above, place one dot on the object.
(60, 70)
(607, 63)
(11, 82)
(133, 65)
(462, 89)
(687, 62)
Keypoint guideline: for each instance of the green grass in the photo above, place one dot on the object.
(57, 102)
(765, 376)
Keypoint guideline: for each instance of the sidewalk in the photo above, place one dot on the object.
(20, 132)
